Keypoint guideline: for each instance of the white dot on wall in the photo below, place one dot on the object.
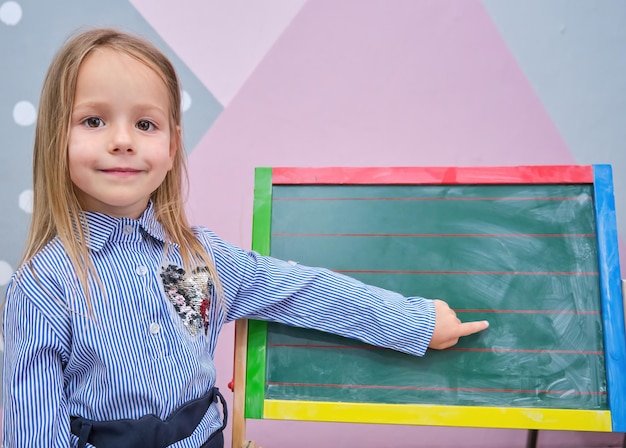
(24, 113)
(10, 13)
(26, 201)
(186, 101)
(6, 271)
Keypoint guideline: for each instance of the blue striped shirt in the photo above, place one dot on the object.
(141, 353)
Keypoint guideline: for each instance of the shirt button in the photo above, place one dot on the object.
(128, 230)
(155, 328)
(141, 270)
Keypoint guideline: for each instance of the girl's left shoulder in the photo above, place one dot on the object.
(216, 246)
(203, 233)
(208, 238)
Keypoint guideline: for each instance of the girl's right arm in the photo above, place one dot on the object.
(34, 402)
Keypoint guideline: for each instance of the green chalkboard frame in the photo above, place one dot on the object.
(598, 177)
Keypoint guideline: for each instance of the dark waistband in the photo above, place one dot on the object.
(149, 431)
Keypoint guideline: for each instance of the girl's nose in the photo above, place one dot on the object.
(121, 140)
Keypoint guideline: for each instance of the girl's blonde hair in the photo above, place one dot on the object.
(56, 210)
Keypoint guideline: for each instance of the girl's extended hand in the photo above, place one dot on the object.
(449, 328)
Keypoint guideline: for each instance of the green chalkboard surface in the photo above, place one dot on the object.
(506, 254)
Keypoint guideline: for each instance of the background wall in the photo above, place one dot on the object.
(350, 82)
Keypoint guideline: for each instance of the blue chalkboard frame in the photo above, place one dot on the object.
(611, 292)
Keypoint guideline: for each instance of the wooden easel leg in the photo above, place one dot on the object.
(531, 438)
(239, 384)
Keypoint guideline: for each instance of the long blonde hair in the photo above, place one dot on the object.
(56, 210)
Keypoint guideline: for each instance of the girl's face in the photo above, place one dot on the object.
(120, 147)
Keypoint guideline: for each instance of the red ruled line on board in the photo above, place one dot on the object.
(517, 350)
(442, 235)
(438, 389)
(579, 312)
(496, 198)
(391, 271)
(457, 349)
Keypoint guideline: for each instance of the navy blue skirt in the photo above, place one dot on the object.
(150, 431)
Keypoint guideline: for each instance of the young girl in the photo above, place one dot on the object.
(111, 321)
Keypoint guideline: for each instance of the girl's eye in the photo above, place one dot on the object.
(93, 122)
(145, 125)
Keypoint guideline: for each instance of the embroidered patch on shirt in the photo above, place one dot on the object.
(189, 295)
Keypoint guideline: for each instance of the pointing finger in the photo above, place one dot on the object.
(467, 328)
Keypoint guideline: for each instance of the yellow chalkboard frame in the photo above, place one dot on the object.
(257, 406)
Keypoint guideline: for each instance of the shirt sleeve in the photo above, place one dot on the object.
(34, 402)
(266, 288)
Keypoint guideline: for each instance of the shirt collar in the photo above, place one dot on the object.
(104, 228)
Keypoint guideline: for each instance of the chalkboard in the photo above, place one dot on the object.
(531, 249)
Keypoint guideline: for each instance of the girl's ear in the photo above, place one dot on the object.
(175, 142)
